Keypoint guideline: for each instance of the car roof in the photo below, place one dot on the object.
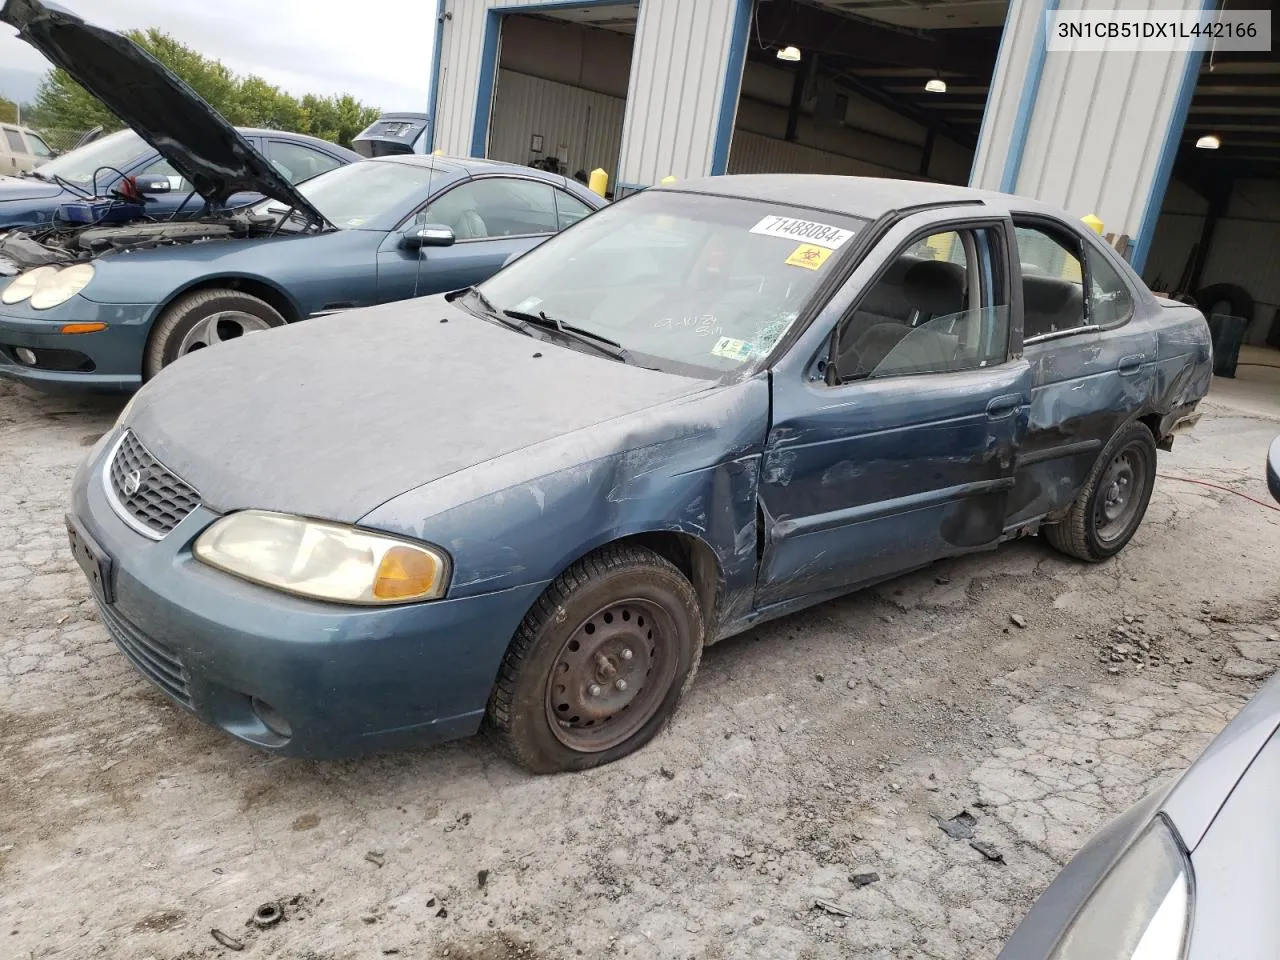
(868, 197)
(300, 137)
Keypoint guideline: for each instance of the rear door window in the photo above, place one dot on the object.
(1052, 281)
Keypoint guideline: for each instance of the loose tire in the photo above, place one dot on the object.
(204, 319)
(1110, 507)
(599, 664)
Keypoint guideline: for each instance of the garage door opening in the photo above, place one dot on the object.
(560, 91)
(885, 88)
(1219, 227)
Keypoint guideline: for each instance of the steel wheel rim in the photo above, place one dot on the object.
(611, 675)
(220, 327)
(1119, 495)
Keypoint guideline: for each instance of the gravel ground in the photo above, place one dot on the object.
(811, 751)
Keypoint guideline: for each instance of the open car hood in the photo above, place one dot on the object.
(159, 107)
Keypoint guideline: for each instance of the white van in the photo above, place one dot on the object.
(21, 149)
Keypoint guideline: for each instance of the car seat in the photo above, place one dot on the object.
(1050, 305)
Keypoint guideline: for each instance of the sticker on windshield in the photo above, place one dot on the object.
(732, 349)
(809, 256)
(823, 234)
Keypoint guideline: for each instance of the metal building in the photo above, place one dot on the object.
(957, 90)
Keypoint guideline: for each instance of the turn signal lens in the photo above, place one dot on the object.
(405, 573)
(83, 327)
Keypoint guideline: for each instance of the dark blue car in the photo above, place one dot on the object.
(533, 503)
(105, 304)
(97, 169)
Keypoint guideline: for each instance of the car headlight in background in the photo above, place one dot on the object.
(1141, 911)
(25, 284)
(60, 286)
(324, 561)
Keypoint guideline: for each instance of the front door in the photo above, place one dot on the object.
(493, 218)
(904, 453)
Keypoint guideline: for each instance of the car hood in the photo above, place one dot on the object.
(161, 108)
(27, 188)
(334, 416)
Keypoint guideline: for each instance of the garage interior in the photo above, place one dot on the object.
(560, 94)
(888, 88)
(1219, 229)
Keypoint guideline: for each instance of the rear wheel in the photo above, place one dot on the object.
(1110, 507)
(203, 319)
(600, 662)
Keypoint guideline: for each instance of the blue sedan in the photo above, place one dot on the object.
(269, 266)
(98, 168)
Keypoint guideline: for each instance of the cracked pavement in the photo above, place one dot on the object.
(824, 746)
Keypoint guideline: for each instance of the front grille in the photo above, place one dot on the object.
(144, 492)
(160, 664)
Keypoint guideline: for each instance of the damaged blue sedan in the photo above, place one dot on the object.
(530, 504)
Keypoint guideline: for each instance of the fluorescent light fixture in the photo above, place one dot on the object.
(936, 85)
(790, 54)
(1209, 142)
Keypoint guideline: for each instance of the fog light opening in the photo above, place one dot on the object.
(271, 718)
(26, 356)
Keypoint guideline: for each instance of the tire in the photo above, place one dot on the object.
(604, 621)
(179, 329)
(1238, 300)
(1130, 454)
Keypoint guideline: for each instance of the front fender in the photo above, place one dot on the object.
(527, 517)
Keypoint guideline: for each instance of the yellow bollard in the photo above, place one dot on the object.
(439, 153)
(599, 183)
(1093, 223)
(667, 181)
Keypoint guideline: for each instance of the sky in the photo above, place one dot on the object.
(377, 50)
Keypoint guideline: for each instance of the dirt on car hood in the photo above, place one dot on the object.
(334, 416)
(160, 107)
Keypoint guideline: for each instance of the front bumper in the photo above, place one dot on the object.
(346, 680)
(108, 361)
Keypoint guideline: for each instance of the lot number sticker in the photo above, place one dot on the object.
(809, 256)
(806, 231)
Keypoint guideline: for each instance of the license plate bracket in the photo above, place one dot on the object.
(93, 560)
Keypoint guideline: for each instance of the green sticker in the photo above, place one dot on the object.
(732, 349)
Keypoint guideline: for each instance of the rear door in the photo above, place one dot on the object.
(905, 453)
(1093, 370)
(493, 219)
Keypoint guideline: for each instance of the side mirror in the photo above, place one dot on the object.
(153, 183)
(1273, 469)
(427, 235)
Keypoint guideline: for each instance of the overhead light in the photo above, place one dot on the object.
(790, 54)
(1209, 142)
(936, 85)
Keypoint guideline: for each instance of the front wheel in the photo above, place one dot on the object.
(600, 662)
(203, 319)
(1110, 507)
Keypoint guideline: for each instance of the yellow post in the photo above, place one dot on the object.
(1093, 223)
(599, 183)
(667, 181)
(439, 153)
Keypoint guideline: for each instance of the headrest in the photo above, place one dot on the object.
(935, 287)
(1049, 295)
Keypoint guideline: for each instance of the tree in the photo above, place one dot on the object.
(8, 111)
(247, 101)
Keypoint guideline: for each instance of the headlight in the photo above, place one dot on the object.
(60, 286)
(325, 561)
(1141, 911)
(25, 284)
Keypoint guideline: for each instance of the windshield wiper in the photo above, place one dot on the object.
(490, 312)
(610, 348)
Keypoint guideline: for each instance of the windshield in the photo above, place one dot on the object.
(687, 283)
(353, 196)
(117, 150)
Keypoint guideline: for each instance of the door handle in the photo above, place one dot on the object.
(1001, 407)
(1130, 365)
